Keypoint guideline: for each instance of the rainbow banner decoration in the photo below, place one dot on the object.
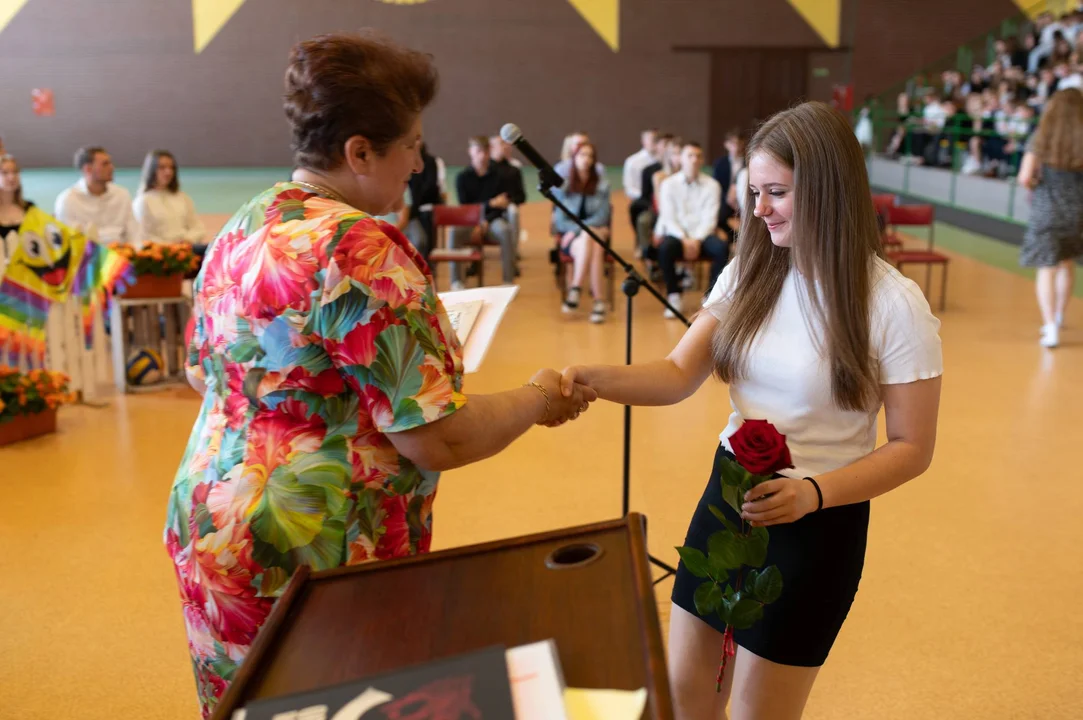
(51, 261)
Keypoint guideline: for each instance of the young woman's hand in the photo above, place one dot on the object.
(566, 402)
(778, 501)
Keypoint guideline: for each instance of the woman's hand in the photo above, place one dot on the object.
(563, 406)
(778, 501)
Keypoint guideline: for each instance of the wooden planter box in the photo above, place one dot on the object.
(155, 286)
(24, 427)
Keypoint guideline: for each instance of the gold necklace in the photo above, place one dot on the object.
(321, 190)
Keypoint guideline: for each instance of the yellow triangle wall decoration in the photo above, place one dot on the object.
(604, 17)
(8, 10)
(208, 17)
(823, 16)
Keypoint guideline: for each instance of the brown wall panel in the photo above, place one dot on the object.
(124, 73)
(895, 38)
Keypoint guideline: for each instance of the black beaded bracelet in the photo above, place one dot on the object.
(819, 494)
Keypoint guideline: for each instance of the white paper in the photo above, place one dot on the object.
(496, 299)
(537, 684)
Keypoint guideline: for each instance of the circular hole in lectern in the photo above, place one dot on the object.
(573, 556)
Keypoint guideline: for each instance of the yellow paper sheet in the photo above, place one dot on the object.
(604, 704)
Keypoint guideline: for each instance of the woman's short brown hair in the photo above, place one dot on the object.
(339, 86)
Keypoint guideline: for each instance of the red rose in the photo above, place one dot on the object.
(760, 448)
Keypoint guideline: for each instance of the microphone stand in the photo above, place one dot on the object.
(630, 287)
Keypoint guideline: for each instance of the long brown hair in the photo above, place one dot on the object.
(575, 182)
(150, 171)
(18, 194)
(1058, 142)
(835, 239)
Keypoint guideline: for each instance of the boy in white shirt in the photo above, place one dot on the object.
(96, 201)
(687, 225)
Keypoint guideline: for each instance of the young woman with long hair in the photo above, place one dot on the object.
(1053, 169)
(166, 213)
(587, 194)
(814, 332)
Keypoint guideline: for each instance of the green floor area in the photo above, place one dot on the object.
(223, 190)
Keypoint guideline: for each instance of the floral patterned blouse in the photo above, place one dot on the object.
(317, 331)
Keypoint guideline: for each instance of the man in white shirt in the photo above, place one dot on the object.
(688, 222)
(95, 200)
(633, 172)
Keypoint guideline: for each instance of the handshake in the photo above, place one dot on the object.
(566, 399)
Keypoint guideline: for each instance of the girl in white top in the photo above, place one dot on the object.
(814, 332)
(165, 212)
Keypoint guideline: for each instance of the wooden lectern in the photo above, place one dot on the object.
(588, 588)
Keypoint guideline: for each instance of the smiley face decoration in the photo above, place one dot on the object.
(49, 263)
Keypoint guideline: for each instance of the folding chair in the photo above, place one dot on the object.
(918, 216)
(450, 216)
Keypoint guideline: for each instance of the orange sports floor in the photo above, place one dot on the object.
(969, 607)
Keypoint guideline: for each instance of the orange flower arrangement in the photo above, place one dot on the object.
(31, 392)
(162, 259)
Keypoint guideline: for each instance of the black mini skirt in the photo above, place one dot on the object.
(820, 556)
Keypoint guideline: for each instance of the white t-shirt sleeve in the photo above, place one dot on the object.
(718, 301)
(905, 334)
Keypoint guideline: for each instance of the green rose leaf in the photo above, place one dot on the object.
(708, 597)
(694, 560)
(726, 549)
(745, 611)
(732, 495)
(768, 586)
(750, 580)
(756, 547)
(732, 474)
(729, 524)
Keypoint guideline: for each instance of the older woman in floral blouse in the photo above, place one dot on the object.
(331, 378)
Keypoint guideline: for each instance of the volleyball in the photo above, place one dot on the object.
(144, 367)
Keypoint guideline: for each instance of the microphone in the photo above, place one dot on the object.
(547, 176)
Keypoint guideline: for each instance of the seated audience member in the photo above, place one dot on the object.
(13, 207)
(633, 173)
(425, 190)
(500, 155)
(725, 171)
(688, 222)
(571, 145)
(500, 152)
(96, 201)
(644, 227)
(165, 212)
(586, 193)
(483, 184)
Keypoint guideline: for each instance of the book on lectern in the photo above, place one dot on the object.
(474, 685)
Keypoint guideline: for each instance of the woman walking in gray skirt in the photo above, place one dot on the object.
(1053, 168)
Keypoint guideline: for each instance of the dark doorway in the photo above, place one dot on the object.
(750, 85)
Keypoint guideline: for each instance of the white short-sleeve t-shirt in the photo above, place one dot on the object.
(788, 379)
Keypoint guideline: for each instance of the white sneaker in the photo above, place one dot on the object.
(571, 300)
(597, 313)
(674, 300)
(1050, 336)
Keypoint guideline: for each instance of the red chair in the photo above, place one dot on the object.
(918, 216)
(883, 203)
(450, 216)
